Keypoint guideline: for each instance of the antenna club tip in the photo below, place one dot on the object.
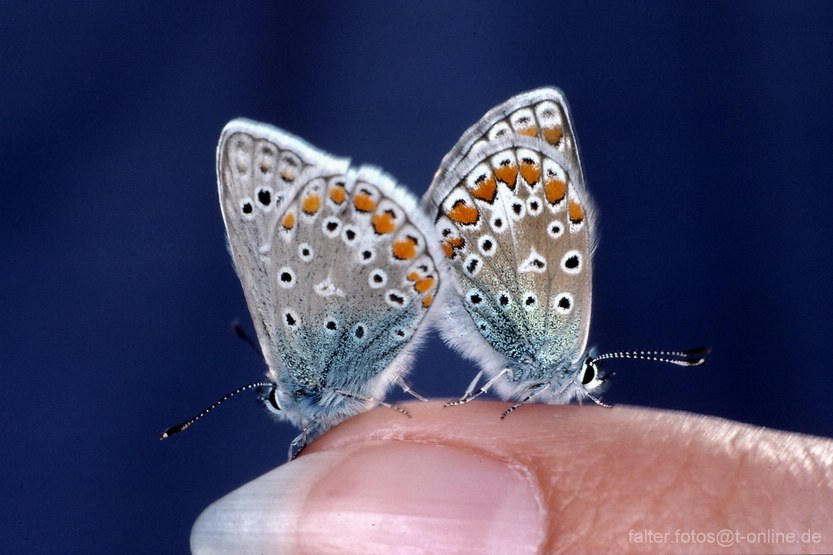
(174, 430)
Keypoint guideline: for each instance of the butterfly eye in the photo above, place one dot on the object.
(589, 374)
(591, 378)
(271, 400)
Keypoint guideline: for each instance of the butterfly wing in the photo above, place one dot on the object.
(259, 171)
(515, 224)
(336, 268)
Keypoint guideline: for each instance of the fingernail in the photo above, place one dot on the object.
(378, 497)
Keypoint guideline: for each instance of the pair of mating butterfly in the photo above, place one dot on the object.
(340, 266)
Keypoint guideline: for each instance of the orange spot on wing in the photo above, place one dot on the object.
(451, 245)
(486, 189)
(338, 194)
(383, 222)
(528, 131)
(364, 202)
(507, 174)
(530, 171)
(463, 213)
(553, 134)
(404, 249)
(576, 212)
(311, 204)
(424, 285)
(426, 302)
(555, 190)
(413, 276)
(288, 221)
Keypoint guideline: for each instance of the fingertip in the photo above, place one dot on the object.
(544, 478)
(378, 496)
(665, 470)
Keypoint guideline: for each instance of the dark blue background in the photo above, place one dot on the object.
(707, 135)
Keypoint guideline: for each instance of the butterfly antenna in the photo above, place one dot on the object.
(183, 425)
(688, 357)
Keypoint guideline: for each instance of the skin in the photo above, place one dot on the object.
(546, 479)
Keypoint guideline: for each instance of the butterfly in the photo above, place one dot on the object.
(337, 269)
(516, 225)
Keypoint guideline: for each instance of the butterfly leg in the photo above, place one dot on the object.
(298, 444)
(372, 400)
(406, 387)
(533, 392)
(597, 401)
(472, 385)
(470, 395)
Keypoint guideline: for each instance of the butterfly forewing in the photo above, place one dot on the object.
(259, 170)
(541, 113)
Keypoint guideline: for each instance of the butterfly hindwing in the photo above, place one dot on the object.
(515, 224)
